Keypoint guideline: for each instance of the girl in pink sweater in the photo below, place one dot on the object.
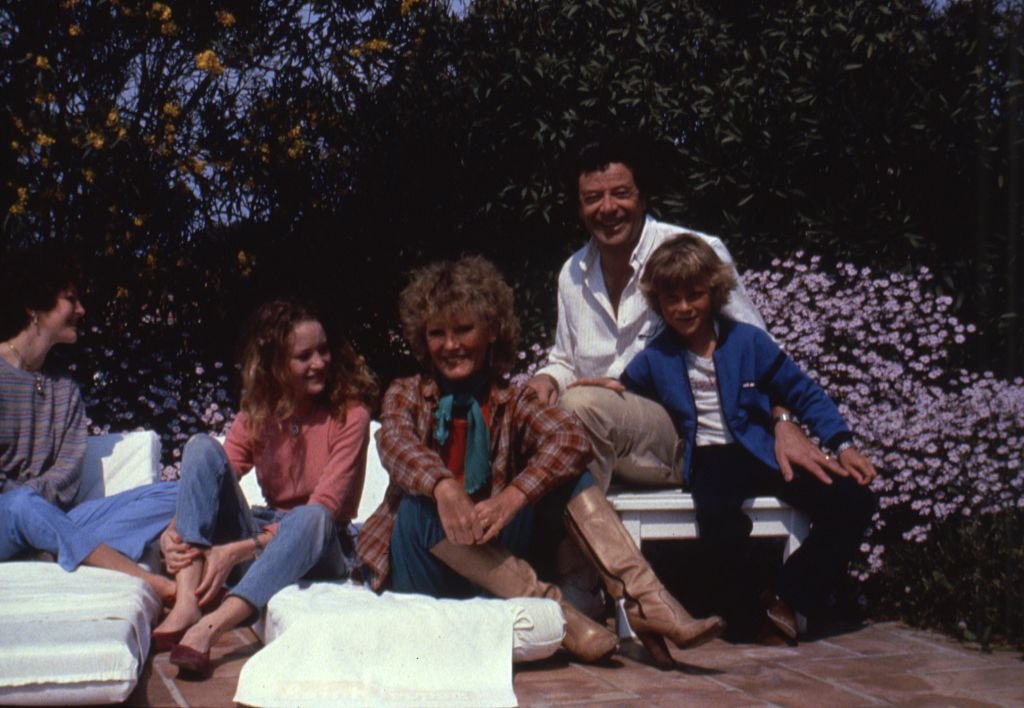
(304, 426)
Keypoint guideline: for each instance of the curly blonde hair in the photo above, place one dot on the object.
(266, 392)
(469, 285)
(680, 260)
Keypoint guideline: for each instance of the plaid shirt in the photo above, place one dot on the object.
(534, 447)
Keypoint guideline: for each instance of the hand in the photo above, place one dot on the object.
(857, 465)
(495, 513)
(219, 562)
(546, 388)
(457, 513)
(792, 448)
(601, 381)
(177, 554)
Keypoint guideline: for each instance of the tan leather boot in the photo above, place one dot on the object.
(504, 575)
(627, 575)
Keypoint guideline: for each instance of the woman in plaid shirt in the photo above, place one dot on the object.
(480, 469)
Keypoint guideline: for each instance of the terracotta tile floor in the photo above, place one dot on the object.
(880, 664)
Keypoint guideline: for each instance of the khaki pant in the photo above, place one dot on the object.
(633, 437)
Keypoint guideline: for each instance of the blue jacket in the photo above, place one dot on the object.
(752, 373)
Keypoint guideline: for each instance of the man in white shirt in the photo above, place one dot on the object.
(604, 320)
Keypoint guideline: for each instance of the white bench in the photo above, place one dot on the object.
(669, 514)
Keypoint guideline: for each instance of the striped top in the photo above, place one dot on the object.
(42, 434)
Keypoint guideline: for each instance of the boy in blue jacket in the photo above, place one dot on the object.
(718, 380)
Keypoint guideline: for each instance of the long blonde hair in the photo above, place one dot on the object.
(266, 392)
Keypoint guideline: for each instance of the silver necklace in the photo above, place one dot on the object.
(21, 365)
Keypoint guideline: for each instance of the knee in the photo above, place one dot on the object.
(199, 446)
(20, 502)
(583, 401)
(201, 454)
(311, 521)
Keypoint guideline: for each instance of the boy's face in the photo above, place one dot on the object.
(687, 309)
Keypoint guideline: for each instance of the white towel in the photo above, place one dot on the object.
(333, 644)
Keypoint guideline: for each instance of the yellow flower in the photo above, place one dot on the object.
(74, 30)
(407, 5)
(355, 52)
(159, 11)
(89, 175)
(138, 221)
(121, 132)
(209, 62)
(42, 62)
(225, 18)
(15, 145)
(19, 206)
(94, 139)
(171, 110)
(376, 45)
(168, 29)
(44, 140)
(112, 118)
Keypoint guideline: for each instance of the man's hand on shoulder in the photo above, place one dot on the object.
(546, 388)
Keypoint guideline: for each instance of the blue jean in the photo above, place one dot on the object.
(418, 529)
(127, 522)
(212, 511)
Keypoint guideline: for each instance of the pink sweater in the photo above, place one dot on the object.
(325, 463)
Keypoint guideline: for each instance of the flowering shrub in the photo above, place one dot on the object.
(949, 440)
(880, 345)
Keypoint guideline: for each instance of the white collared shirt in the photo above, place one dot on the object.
(591, 339)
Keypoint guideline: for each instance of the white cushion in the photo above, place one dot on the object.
(117, 462)
(71, 638)
(339, 643)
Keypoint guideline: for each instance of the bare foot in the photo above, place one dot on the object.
(178, 619)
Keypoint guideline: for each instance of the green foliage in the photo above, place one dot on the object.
(967, 579)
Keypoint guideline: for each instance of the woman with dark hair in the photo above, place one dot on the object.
(43, 437)
(479, 468)
(304, 425)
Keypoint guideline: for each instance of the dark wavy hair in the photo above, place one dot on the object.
(472, 285)
(31, 281)
(596, 150)
(266, 397)
(680, 260)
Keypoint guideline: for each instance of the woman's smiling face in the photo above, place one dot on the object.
(457, 343)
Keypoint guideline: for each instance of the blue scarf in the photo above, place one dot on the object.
(477, 465)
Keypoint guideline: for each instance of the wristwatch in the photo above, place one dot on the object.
(784, 417)
(844, 445)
